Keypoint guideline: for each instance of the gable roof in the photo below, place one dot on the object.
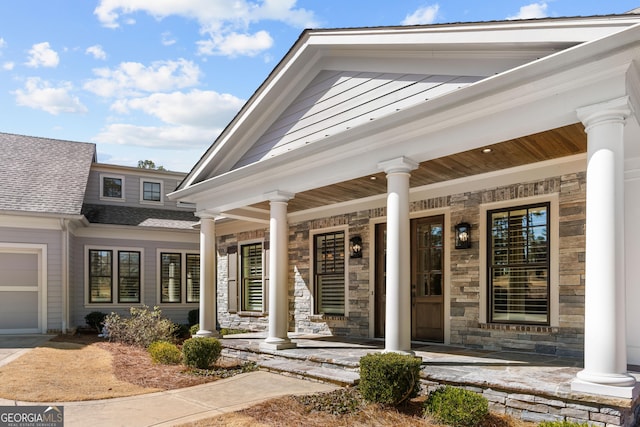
(476, 51)
(531, 77)
(43, 175)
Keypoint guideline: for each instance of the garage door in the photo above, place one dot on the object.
(20, 290)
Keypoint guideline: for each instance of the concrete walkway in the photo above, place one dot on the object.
(175, 407)
(167, 408)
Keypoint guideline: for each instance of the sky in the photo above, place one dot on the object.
(160, 79)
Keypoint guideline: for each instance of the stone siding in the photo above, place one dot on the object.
(465, 327)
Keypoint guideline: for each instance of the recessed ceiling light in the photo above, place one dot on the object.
(372, 178)
(487, 150)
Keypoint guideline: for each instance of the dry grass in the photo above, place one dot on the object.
(72, 368)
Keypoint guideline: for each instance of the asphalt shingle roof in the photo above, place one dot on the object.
(142, 217)
(43, 175)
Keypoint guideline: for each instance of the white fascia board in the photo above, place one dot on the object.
(535, 97)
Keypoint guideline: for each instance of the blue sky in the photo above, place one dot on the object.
(160, 79)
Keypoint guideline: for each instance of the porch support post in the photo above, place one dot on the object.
(398, 304)
(277, 338)
(605, 350)
(208, 293)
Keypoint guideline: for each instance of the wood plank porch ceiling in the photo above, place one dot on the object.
(552, 144)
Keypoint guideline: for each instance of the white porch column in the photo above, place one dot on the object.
(398, 306)
(277, 338)
(208, 293)
(605, 357)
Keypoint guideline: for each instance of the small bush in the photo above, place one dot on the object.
(229, 331)
(194, 329)
(201, 353)
(337, 402)
(141, 329)
(181, 331)
(165, 352)
(389, 378)
(457, 406)
(95, 320)
(561, 424)
(193, 316)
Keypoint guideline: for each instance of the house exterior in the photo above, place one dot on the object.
(473, 184)
(78, 236)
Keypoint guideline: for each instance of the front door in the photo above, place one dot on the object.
(427, 298)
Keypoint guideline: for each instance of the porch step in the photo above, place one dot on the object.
(311, 371)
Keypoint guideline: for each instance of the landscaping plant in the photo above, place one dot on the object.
(201, 353)
(143, 327)
(457, 406)
(389, 378)
(95, 320)
(561, 424)
(165, 352)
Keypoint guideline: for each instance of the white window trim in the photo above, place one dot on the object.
(183, 278)
(114, 296)
(115, 199)
(554, 252)
(265, 270)
(151, 202)
(312, 263)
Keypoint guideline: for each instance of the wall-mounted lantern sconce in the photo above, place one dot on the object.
(355, 247)
(463, 235)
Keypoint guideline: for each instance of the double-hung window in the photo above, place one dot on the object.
(114, 272)
(112, 187)
(252, 277)
(179, 277)
(519, 255)
(151, 191)
(329, 272)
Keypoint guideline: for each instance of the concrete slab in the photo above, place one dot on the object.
(14, 346)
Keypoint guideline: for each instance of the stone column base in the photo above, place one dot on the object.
(624, 392)
(205, 334)
(277, 344)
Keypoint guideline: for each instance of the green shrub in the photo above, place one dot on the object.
(561, 424)
(229, 331)
(165, 352)
(181, 331)
(201, 353)
(193, 316)
(95, 320)
(194, 329)
(389, 378)
(457, 406)
(141, 329)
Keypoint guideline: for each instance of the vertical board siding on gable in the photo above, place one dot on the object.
(150, 284)
(53, 240)
(337, 101)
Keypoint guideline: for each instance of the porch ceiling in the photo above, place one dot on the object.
(552, 144)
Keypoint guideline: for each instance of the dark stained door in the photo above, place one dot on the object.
(427, 302)
(427, 280)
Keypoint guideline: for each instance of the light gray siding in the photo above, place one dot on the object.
(151, 282)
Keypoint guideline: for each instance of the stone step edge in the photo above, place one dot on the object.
(329, 375)
(291, 356)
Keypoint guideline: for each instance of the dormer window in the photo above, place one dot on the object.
(111, 187)
(151, 191)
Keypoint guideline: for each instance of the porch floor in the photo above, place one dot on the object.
(545, 379)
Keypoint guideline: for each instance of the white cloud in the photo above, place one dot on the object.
(40, 95)
(167, 39)
(2, 43)
(219, 21)
(96, 51)
(423, 15)
(8, 66)
(41, 55)
(205, 109)
(531, 11)
(235, 44)
(134, 78)
(167, 137)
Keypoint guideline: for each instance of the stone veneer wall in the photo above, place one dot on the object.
(466, 330)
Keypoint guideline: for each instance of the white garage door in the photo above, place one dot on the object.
(21, 290)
